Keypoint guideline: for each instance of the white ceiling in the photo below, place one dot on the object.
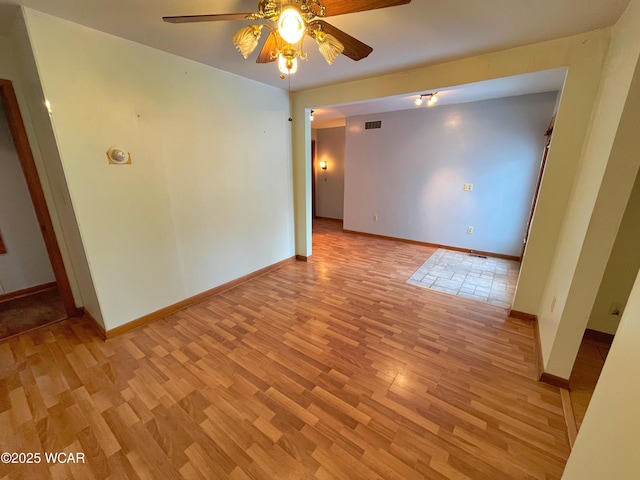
(404, 37)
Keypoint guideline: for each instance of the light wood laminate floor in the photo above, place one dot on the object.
(584, 376)
(334, 368)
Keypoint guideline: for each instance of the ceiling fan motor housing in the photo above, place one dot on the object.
(269, 9)
(309, 9)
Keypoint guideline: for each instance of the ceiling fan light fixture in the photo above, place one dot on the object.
(329, 46)
(246, 39)
(291, 26)
(289, 21)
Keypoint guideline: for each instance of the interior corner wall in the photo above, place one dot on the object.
(207, 197)
(600, 193)
(622, 269)
(406, 179)
(330, 147)
(39, 129)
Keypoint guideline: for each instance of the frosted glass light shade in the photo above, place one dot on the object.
(287, 65)
(246, 39)
(330, 47)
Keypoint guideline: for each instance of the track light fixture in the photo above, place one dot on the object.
(311, 116)
(432, 98)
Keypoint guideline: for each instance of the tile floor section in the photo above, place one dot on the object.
(490, 280)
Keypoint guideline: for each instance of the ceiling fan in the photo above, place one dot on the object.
(289, 21)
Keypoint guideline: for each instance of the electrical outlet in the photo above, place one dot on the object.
(615, 309)
(375, 218)
(469, 229)
(468, 187)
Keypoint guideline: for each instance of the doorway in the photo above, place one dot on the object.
(548, 134)
(35, 287)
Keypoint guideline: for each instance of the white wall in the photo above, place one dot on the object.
(26, 263)
(208, 196)
(330, 147)
(622, 268)
(411, 172)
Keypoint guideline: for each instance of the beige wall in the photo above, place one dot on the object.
(609, 165)
(200, 205)
(607, 444)
(622, 268)
(583, 55)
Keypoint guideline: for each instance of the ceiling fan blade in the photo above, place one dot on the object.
(340, 7)
(353, 48)
(270, 45)
(206, 18)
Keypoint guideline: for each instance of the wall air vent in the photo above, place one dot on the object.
(371, 125)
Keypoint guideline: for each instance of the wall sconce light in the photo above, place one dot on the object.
(323, 164)
(117, 156)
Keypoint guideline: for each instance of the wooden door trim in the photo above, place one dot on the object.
(25, 155)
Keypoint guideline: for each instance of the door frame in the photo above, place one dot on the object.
(30, 172)
(313, 179)
(536, 193)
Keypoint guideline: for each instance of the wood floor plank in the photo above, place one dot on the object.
(333, 368)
